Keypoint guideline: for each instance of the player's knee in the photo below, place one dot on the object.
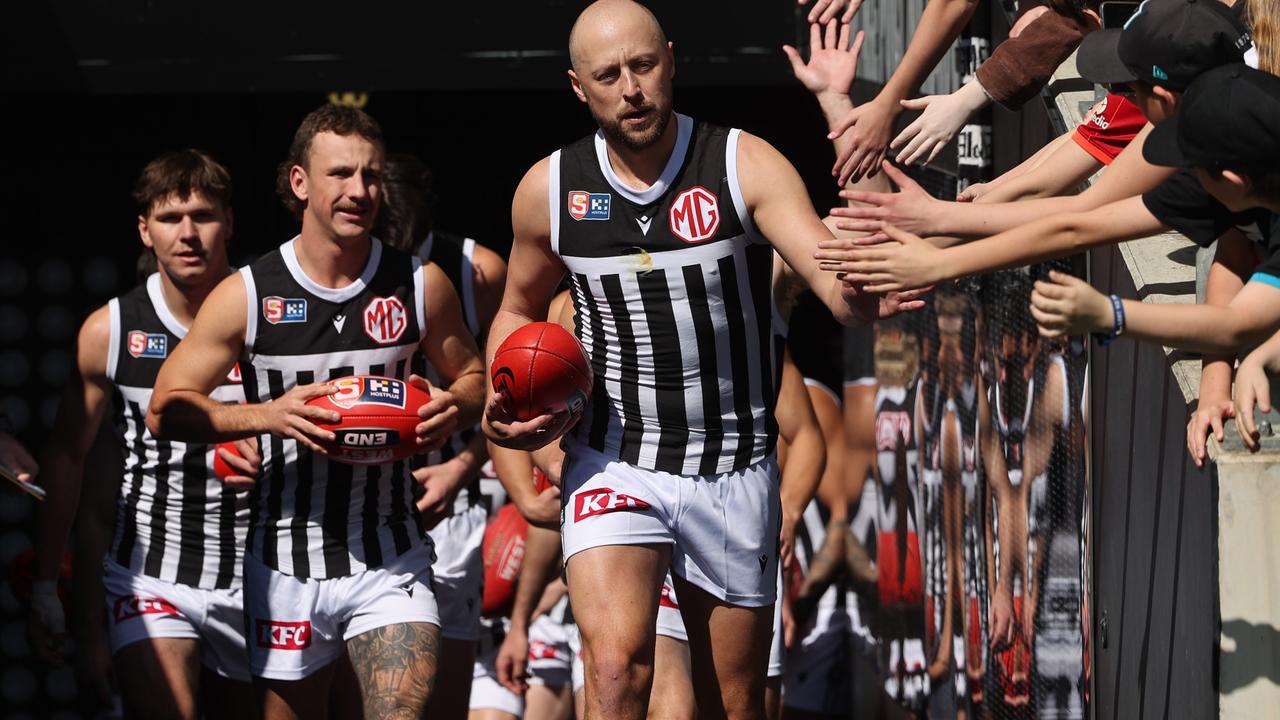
(619, 673)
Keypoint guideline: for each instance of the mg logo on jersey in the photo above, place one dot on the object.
(148, 345)
(385, 319)
(277, 635)
(276, 309)
(695, 215)
(892, 427)
(589, 206)
(354, 391)
(605, 500)
(133, 606)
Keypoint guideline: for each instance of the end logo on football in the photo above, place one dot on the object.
(148, 345)
(277, 310)
(589, 206)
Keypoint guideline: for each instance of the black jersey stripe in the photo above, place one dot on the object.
(760, 279)
(402, 499)
(275, 498)
(369, 541)
(228, 548)
(191, 517)
(127, 536)
(585, 305)
(304, 482)
(158, 518)
(629, 369)
(668, 371)
(337, 501)
(705, 331)
(739, 363)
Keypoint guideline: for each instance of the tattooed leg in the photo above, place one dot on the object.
(396, 667)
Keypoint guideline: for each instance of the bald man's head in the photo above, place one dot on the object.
(605, 23)
(623, 70)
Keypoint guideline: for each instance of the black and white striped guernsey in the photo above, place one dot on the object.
(313, 517)
(175, 521)
(455, 257)
(673, 291)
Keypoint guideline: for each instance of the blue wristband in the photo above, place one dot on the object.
(1117, 314)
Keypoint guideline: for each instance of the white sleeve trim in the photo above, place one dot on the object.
(251, 309)
(113, 338)
(469, 285)
(553, 196)
(420, 297)
(735, 188)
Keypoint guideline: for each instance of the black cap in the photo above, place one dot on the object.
(1166, 43)
(1229, 119)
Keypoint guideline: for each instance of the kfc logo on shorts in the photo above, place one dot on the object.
(277, 310)
(668, 598)
(891, 429)
(233, 377)
(275, 635)
(127, 608)
(589, 206)
(385, 319)
(695, 215)
(539, 650)
(605, 500)
(148, 345)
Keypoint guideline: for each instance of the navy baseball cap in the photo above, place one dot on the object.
(1229, 119)
(1165, 42)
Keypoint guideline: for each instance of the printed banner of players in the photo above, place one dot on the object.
(976, 509)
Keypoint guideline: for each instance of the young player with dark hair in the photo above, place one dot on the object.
(173, 573)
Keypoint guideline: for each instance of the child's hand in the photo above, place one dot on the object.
(1252, 388)
(1067, 305)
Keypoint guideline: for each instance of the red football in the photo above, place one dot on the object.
(221, 469)
(503, 553)
(541, 368)
(379, 415)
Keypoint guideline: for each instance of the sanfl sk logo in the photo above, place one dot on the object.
(1158, 74)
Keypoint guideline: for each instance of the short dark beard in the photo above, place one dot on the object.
(612, 129)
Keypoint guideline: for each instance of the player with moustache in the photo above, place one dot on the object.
(172, 575)
(336, 560)
(665, 226)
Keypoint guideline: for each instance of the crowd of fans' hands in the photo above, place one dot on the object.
(833, 61)
(825, 10)
(1210, 414)
(891, 261)
(910, 209)
(941, 118)
(1066, 305)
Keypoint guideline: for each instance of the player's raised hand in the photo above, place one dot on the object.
(869, 126)
(833, 62)
(903, 262)
(289, 416)
(1067, 305)
(824, 10)
(439, 416)
(911, 208)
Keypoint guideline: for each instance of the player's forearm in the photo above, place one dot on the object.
(940, 24)
(806, 459)
(93, 539)
(541, 549)
(190, 416)
(468, 391)
(514, 469)
(62, 470)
